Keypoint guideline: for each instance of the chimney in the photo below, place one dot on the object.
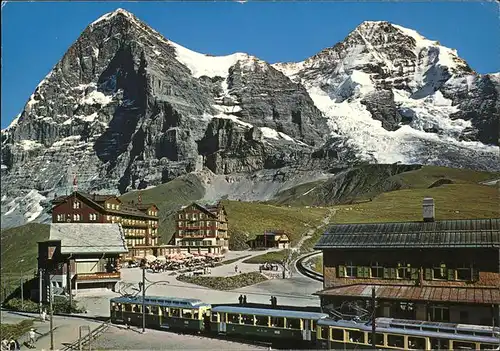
(429, 209)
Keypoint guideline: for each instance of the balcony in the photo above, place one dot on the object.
(135, 225)
(98, 276)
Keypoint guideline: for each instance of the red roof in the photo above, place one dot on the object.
(469, 295)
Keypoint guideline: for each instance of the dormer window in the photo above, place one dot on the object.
(108, 206)
(76, 204)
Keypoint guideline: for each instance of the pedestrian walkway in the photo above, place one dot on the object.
(66, 331)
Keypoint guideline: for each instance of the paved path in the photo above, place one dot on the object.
(121, 339)
(66, 330)
(311, 231)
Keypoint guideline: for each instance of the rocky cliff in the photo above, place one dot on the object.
(126, 108)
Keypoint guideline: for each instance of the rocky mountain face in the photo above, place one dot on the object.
(126, 108)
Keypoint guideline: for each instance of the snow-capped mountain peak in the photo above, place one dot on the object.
(126, 107)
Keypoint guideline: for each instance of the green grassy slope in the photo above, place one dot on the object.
(19, 254)
(368, 181)
(252, 218)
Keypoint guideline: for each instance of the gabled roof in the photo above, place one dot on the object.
(470, 295)
(202, 208)
(472, 233)
(89, 237)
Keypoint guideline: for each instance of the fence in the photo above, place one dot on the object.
(17, 283)
(86, 341)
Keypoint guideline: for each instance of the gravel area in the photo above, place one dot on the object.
(116, 338)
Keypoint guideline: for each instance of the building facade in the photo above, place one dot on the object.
(202, 229)
(443, 271)
(271, 239)
(80, 256)
(139, 221)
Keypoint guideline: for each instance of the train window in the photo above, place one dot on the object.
(188, 314)
(313, 324)
(484, 346)
(262, 320)
(148, 309)
(247, 319)
(278, 322)
(154, 310)
(196, 314)
(164, 311)
(439, 344)
(175, 312)
(215, 317)
(338, 334)
(415, 343)
(128, 308)
(379, 339)
(395, 340)
(462, 345)
(137, 309)
(292, 323)
(233, 318)
(356, 336)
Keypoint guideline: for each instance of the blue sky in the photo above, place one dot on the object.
(35, 35)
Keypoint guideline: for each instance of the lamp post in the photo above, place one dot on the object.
(144, 288)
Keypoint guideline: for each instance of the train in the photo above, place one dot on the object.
(298, 328)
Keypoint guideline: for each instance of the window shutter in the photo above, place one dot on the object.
(414, 273)
(428, 274)
(367, 272)
(392, 273)
(359, 272)
(386, 273)
(342, 271)
(451, 274)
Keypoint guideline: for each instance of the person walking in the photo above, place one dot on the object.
(44, 315)
(32, 336)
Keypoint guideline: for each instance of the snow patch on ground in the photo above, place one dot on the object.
(96, 97)
(29, 144)
(66, 141)
(205, 65)
(34, 209)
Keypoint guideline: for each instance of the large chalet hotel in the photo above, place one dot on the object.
(139, 220)
(202, 229)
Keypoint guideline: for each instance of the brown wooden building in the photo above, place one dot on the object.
(271, 239)
(139, 221)
(202, 229)
(431, 270)
(83, 255)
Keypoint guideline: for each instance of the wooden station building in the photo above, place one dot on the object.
(443, 271)
(80, 256)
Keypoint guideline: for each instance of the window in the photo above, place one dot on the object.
(439, 272)
(76, 217)
(76, 204)
(464, 272)
(292, 323)
(261, 320)
(440, 314)
(93, 217)
(247, 319)
(415, 343)
(128, 307)
(108, 218)
(233, 318)
(215, 317)
(404, 271)
(164, 311)
(108, 206)
(278, 322)
(175, 312)
(396, 341)
(356, 336)
(322, 332)
(377, 270)
(379, 339)
(187, 313)
(337, 334)
(461, 345)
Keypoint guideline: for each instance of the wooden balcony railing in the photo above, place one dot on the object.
(97, 276)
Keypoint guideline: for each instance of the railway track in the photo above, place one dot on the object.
(309, 273)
